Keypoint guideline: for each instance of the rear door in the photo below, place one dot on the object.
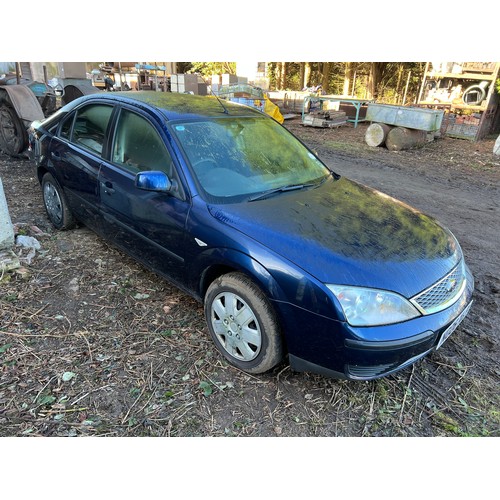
(76, 153)
(149, 225)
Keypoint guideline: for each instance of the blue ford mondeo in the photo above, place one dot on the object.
(292, 261)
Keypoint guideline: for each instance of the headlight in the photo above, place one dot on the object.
(372, 307)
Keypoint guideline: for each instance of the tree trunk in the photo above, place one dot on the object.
(277, 75)
(348, 76)
(400, 75)
(283, 75)
(326, 77)
(307, 74)
(281, 71)
(376, 72)
(302, 82)
(400, 138)
(376, 134)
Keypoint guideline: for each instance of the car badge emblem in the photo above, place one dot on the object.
(452, 284)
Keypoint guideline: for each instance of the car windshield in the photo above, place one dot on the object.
(235, 159)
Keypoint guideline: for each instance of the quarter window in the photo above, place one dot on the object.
(90, 126)
(66, 127)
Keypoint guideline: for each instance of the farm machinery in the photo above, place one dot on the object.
(25, 97)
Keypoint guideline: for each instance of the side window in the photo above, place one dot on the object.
(65, 130)
(90, 126)
(138, 146)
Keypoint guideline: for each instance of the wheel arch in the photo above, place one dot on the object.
(236, 261)
(40, 172)
(20, 108)
(24, 102)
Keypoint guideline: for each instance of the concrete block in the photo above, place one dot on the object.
(6, 229)
(8, 261)
(496, 147)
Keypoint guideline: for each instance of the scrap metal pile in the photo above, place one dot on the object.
(325, 118)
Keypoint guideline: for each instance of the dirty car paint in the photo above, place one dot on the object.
(344, 232)
(295, 243)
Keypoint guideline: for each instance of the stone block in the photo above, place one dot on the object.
(6, 228)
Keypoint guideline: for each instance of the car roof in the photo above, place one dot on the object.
(174, 106)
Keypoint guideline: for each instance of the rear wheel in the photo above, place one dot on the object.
(56, 204)
(243, 323)
(13, 135)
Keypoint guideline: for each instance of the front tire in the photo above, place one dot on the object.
(243, 324)
(55, 203)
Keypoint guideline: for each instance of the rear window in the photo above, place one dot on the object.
(91, 123)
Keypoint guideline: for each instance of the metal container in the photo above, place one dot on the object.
(429, 120)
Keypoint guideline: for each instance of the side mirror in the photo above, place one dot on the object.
(153, 181)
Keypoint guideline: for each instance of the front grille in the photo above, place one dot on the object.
(443, 293)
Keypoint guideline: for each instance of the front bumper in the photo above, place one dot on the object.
(337, 350)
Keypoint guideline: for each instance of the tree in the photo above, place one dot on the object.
(326, 77)
(348, 78)
(376, 74)
(399, 80)
(307, 73)
(213, 68)
(386, 81)
(281, 74)
(302, 75)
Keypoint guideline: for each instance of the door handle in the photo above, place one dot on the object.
(108, 187)
(55, 155)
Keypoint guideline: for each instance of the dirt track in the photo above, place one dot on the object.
(92, 344)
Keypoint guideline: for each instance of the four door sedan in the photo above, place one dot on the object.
(290, 259)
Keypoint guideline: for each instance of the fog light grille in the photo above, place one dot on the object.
(369, 372)
(443, 293)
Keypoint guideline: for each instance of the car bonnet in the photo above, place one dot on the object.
(345, 233)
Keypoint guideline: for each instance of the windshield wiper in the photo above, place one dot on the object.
(269, 192)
